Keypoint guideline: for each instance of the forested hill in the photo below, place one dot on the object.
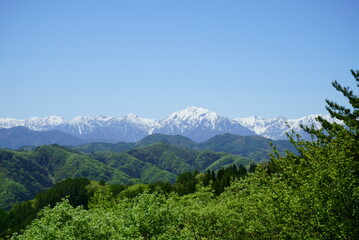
(254, 147)
(25, 173)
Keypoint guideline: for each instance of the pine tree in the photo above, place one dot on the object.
(349, 130)
(349, 116)
(252, 168)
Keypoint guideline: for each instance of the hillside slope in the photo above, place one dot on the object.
(25, 173)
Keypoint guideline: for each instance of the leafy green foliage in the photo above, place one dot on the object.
(21, 214)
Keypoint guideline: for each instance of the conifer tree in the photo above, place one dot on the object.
(320, 185)
(349, 116)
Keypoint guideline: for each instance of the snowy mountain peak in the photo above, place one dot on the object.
(144, 122)
(194, 114)
(196, 110)
(276, 128)
(98, 118)
(199, 124)
(131, 116)
(50, 120)
(190, 112)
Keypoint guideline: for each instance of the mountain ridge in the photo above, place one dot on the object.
(276, 128)
(21, 136)
(197, 123)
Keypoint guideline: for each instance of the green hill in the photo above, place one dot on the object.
(175, 140)
(255, 147)
(25, 173)
(100, 146)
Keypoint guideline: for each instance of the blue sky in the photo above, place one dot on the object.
(238, 58)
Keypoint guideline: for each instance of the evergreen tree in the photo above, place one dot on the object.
(349, 116)
(186, 183)
(252, 168)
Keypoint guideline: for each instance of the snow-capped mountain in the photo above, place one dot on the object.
(34, 123)
(199, 124)
(96, 128)
(276, 128)
(108, 129)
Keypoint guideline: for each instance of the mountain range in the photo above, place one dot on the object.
(196, 123)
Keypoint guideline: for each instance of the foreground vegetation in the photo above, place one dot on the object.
(310, 195)
(81, 191)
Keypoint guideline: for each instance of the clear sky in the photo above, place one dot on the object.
(151, 58)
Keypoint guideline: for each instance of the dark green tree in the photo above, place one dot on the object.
(186, 183)
(19, 216)
(252, 168)
(75, 189)
(162, 187)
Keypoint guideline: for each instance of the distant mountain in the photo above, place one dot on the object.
(276, 128)
(108, 129)
(196, 123)
(199, 124)
(34, 123)
(21, 136)
(94, 128)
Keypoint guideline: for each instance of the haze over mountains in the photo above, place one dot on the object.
(196, 123)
